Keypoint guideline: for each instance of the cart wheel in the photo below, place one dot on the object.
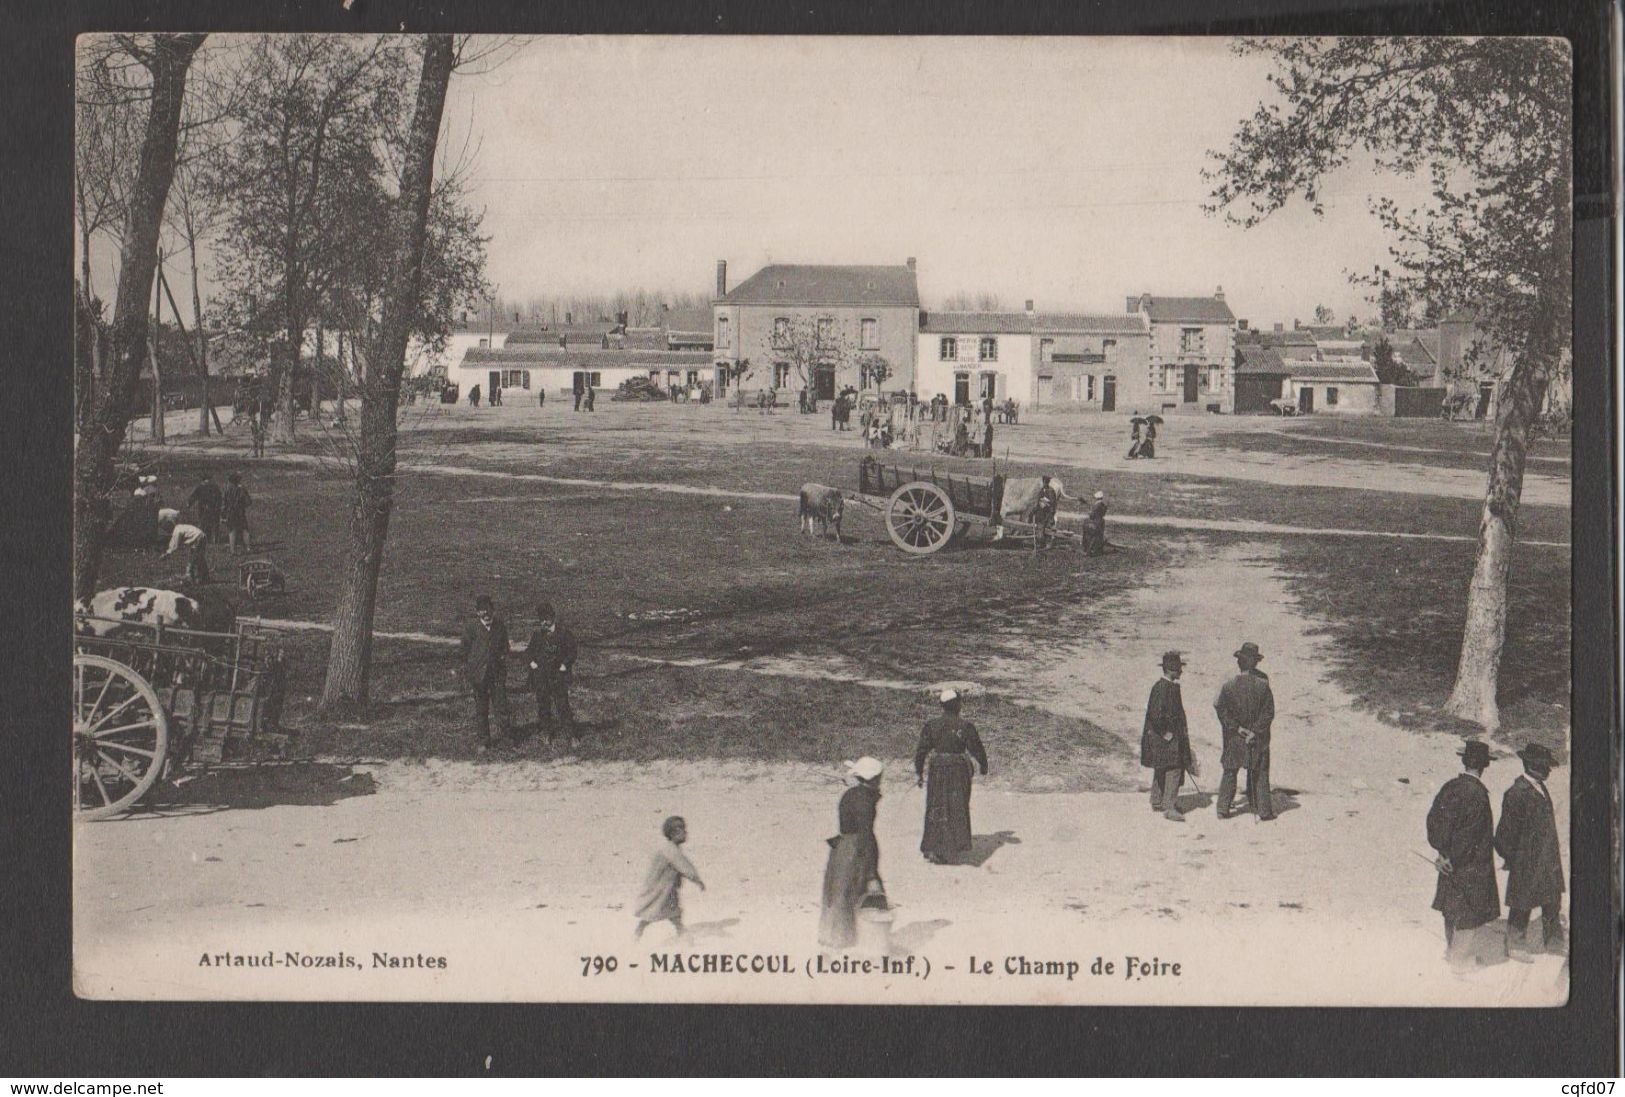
(120, 736)
(920, 517)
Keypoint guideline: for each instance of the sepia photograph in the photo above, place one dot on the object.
(810, 520)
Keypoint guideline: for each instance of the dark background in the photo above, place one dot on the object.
(47, 1032)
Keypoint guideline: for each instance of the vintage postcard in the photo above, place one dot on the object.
(805, 520)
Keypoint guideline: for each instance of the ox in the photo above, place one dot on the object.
(1021, 499)
(107, 611)
(823, 504)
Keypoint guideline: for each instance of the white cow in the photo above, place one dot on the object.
(823, 504)
(1021, 499)
(106, 611)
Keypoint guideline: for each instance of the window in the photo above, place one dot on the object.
(1190, 340)
(1215, 378)
(693, 377)
(948, 349)
(1089, 386)
(826, 331)
(725, 336)
(595, 379)
(484, 343)
(870, 334)
(1046, 350)
(781, 375)
(1170, 378)
(989, 349)
(516, 378)
(781, 331)
(1331, 398)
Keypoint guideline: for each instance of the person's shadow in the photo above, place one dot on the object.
(701, 930)
(984, 846)
(916, 935)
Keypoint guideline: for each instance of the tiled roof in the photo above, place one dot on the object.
(1121, 323)
(971, 323)
(1258, 359)
(1199, 310)
(1300, 370)
(543, 356)
(687, 320)
(808, 284)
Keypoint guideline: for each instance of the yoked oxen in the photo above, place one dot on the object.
(1021, 499)
(823, 504)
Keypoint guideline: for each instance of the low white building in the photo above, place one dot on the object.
(1332, 388)
(562, 370)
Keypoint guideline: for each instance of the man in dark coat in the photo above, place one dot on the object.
(207, 500)
(1461, 829)
(1165, 745)
(1094, 526)
(1526, 839)
(1246, 709)
(484, 653)
(552, 659)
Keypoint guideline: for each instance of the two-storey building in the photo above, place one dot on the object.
(1191, 364)
(817, 326)
(1047, 359)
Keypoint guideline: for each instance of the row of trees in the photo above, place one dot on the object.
(306, 165)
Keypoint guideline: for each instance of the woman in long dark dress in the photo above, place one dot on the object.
(854, 857)
(942, 762)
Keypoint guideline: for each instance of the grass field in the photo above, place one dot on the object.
(645, 577)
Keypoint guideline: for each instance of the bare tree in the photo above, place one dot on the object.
(166, 58)
(350, 656)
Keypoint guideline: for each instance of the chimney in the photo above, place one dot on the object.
(722, 277)
(516, 316)
(911, 262)
(1133, 305)
(1279, 327)
(1218, 294)
(1029, 307)
(568, 317)
(1241, 325)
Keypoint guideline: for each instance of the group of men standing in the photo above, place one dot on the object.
(550, 659)
(213, 508)
(1463, 832)
(1246, 709)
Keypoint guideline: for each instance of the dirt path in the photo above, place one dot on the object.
(515, 871)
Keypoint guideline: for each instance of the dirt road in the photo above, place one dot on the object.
(513, 872)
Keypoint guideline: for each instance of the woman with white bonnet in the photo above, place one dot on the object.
(947, 745)
(854, 856)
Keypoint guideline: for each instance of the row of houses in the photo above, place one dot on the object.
(825, 328)
(829, 327)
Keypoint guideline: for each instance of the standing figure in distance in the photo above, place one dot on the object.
(234, 511)
(1165, 744)
(1461, 829)
(1246, 709)
(948, 743)
(1526, 838)
(484, 653)
(661, 899)
(853, 868)
(206, 500)
(552, 658)
(1136, 424)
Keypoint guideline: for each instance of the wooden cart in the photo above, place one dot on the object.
(925, 508)
(149, 699)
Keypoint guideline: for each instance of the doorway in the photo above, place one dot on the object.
(493, 382)
(1191, 372)
(1306, 400)
(961, 388)
(1108, 393)
(1046, 389)
(824, 382)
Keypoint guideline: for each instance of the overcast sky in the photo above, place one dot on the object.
(1066, 170)
(1062, 169)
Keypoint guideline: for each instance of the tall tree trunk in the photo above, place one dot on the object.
(158, 434)
(202, 338)
(319, 371)
(286, 404)
(99, 443)
(349, 659)
(1484, 632)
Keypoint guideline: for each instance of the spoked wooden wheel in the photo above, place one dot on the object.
(920, 517)
(120, 736)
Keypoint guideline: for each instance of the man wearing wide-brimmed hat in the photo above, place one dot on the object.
(1165, 745)
(1527, 839)
(1461, 829)
(1246, 709)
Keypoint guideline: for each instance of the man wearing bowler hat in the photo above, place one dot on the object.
(1246, 709)
(1527, 840)
(1461, 829)
(1165, 745)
